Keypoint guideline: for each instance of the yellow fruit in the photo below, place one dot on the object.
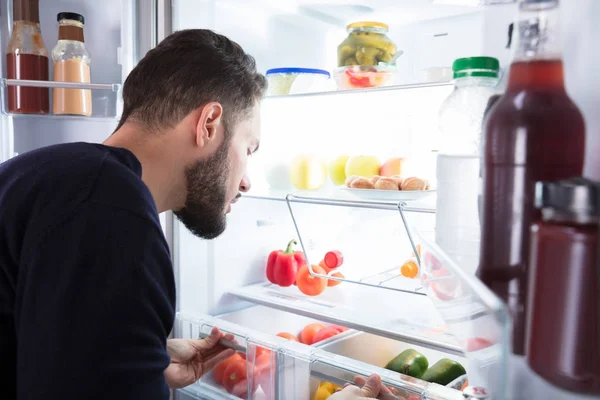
(365, 166)
(337, 170)
(322, 393)
(308, 172)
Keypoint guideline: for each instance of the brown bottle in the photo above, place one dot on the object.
(27, 58)
(533, 133)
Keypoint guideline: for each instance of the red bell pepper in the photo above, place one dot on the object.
(282, 266)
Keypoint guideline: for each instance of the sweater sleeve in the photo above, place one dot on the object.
(95, 304)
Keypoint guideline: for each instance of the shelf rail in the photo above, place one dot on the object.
(113, 87)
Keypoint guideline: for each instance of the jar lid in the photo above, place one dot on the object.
(294, 70)
(70, 16)
(569, 200)
(368, 24)
(476, 66)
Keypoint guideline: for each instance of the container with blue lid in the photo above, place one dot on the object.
(294, 80)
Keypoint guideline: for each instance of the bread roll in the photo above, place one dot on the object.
(414, 183)
(362, 183)
(387, 184)
(349, 180)
(398, 179)
(374, 179)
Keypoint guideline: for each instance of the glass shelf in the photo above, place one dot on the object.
(106, 99)
(365, 90)
(362, 308)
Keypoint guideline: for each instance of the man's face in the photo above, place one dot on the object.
(215, 183)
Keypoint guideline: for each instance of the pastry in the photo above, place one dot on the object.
(414, 184)
(362, 183)
(387, 184)
(349, 180)
(374, 179)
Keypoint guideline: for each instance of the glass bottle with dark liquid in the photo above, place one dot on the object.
(533, 133)
(27, 58)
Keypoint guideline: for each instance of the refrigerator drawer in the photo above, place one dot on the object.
(284, 372)
(273, 321)
(293, 370)
(378, 350)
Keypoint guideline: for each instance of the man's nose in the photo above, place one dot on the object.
(245, 184)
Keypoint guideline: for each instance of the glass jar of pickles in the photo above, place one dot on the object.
(367, 44)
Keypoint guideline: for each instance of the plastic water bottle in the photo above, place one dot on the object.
(457, 175)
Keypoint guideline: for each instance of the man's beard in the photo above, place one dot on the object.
(206, 181)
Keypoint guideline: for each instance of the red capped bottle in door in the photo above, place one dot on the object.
(534, 133)
(27, 58)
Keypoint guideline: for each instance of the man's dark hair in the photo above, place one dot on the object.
(186, 70)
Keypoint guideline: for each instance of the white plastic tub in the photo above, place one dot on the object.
(284, 81)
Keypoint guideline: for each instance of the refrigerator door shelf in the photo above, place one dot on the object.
(398, 316)
(106, 98)
(475, 316)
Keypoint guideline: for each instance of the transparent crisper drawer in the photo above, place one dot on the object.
(327, 367)
(284, 374)
(273, 321)
(378, 350)
(294, 370)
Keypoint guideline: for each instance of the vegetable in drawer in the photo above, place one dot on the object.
(410, 362)
(443, 372)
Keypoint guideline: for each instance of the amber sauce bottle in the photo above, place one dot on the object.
(27, 58)
(533, 133)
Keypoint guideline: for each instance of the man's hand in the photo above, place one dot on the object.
(371, 389)
(190, 359)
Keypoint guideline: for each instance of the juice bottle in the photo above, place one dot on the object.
(533, 133)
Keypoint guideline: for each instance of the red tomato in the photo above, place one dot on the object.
(333, 259)
(325, 267)
(474, 344)
(262, 373)
(260, 351)
(339, 328)
(234, 374)
(288, 336)
(308, 333)
(308, 284)
(325, 333)
(219, 371)
(331, 282)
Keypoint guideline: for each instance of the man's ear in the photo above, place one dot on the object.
(211, 117)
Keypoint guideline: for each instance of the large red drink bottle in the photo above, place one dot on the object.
(534, 133)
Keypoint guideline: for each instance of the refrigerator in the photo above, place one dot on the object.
(222, 282)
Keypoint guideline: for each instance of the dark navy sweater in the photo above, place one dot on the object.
(87, 293)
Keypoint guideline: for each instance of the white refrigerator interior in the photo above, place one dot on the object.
(222, 282)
